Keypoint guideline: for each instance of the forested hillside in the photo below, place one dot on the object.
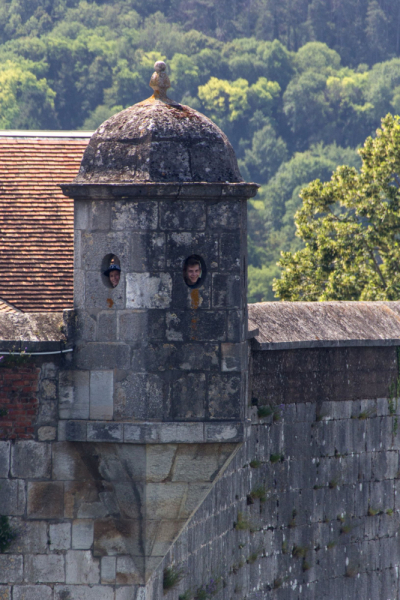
(297, 85)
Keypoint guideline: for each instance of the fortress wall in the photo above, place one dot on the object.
(328, 525)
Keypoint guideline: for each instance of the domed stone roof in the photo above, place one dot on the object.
(158, 140)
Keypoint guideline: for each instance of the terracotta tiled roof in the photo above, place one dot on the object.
(7, 308)
(36, 219)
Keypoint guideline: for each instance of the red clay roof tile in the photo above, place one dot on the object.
(36, 221)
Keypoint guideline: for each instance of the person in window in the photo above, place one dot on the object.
(113, 273)
(192, 272)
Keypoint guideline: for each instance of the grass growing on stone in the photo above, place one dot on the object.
(274, 458)
(299, 551)
(186, 596)
(331, 545)
(242, 523)
(372, 512)
(255, 464)
(171, 577)
(252, 558)
(259, 492)
(264, 411)
(7, 533)
(389, 512)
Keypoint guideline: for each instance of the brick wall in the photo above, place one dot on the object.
(19, 404)
(28, 400)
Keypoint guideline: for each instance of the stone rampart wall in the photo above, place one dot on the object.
(308, 509)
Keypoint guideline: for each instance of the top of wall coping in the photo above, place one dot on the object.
(147, 191)
(273, 325)
(293, 325)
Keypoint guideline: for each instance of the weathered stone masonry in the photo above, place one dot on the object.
(252, 451)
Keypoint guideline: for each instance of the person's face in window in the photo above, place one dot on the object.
(114, 278)
(192, 274)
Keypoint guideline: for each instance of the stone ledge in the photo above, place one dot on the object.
(154, 191)
(155, 433)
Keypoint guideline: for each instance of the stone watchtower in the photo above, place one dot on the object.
(161, 358)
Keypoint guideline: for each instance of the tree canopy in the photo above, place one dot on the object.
(350, 226)
(297, 85)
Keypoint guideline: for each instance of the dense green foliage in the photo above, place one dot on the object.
(350, 226)
(297, 85)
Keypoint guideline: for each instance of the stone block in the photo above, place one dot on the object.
(5, 592)
(236, 326)
(198, 357)
(11, 568)
(4, 459)
(165, 501)
(189, 397)
(130, 499)
(108, 569)
(78, 249)
(127, 572)
(83, 592)
(180, 245)
(60, 536)
(79, 288)
(156, 357)
(98, 295)
(137, 326)
(45, 500)
(47, 433)
(230, 252)
(223, 432)
(227, 291)
(178, 215)
(12, 497)
(84, 501)
(61, 431)
(117, 536)
(81, 214)
(224, 396)
(102, 356)
(82, 567)
(190, 433)
(159, 460)
(148, 252)
(234, 357)
(45, 568)
(86, 326)
(107, 326)
(131, 592)
(31, 537)
(105, 432)
(200, 463)
(202, 325)
(100, 215)
(82, 534)
(134, 216)
(75, 431)
(225, 215)
(31, 460)
(74, 395)
(32, 592)
(140, 396)
(101, 395)
(184, 297)
(145, 290)
(96, 245)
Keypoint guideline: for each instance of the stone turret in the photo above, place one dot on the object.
(159, 186)
(160, 367)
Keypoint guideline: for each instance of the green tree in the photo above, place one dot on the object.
(26, 102)
(350, 227)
